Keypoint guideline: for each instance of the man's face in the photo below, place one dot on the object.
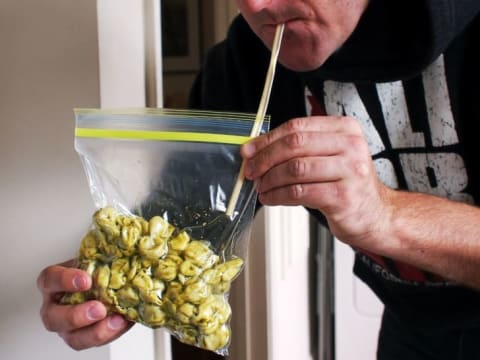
(314, 29)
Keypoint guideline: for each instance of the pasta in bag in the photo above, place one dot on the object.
(162, 250)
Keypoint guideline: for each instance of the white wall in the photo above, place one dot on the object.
(48, 66)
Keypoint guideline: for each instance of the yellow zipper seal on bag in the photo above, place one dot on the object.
(153, 130)
(161, 135)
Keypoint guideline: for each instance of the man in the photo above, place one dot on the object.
(374, 131)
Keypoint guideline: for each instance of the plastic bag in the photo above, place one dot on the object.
(161, 249)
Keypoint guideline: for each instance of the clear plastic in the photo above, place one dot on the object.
(161, 249)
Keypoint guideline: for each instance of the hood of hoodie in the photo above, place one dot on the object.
(394, 40)
(397, 39)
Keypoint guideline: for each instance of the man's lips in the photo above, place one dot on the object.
(284, 21)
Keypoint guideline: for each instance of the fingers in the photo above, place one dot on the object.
(53, 282)
(99, 333)
(323, 196)
(320, 162)
(323, 136)
(64, 318)
(321, 124)
(81, 326)
(290, 147)
(58, 279)
(303, 170)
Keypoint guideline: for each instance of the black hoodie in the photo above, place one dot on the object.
(410, 74)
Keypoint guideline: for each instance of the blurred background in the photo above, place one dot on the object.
(48, 66)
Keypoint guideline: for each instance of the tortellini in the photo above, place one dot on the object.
(157, 275)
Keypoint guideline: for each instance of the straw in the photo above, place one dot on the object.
(261, 112)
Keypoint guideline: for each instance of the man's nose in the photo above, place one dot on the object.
(254, 5)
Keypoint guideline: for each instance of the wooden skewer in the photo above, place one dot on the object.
(261, 112)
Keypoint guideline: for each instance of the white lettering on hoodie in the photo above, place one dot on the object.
(425, 168)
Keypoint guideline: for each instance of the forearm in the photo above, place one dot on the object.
(433, 234)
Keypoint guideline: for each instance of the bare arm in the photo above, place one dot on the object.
(324, 163)
(434, 234)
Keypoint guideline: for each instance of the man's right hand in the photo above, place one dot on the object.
(81, 326)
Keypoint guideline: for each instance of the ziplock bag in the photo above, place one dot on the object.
(161, 249)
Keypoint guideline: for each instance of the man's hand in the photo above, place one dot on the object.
(323, 163)
(81, 326)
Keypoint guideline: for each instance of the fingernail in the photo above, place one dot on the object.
(248, 149)
(116, 322)
(79, 282)
(95, 313)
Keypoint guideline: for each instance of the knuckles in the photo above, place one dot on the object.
(356, 144)
(296, 125)
(352, 125)
(296, 192)
(71, 340)
(297, 168)
(76, 342)
(74, 319)
(295, 141)
(41, 279)
(44, 315)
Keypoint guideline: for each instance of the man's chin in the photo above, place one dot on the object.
(300, 65)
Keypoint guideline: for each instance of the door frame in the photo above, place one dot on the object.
(130, 72)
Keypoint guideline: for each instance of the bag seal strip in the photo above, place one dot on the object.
(170, 112)
(161, 136)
